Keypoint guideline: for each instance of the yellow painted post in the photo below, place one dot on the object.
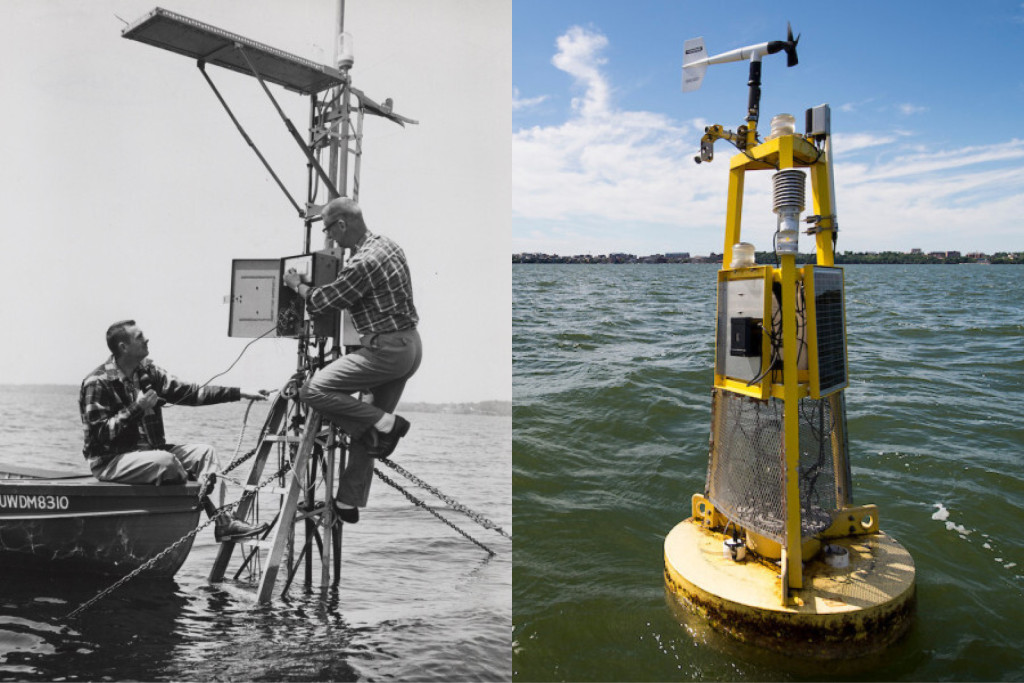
(785, 152)
(751, 134)
(735, 209)
(791, 393)
(820, 189)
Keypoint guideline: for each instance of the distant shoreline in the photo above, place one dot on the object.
(466, 408)
(884, 257)
(499, 408)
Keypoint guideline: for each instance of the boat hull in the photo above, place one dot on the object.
(77, 525)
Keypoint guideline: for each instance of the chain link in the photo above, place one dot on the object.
(475, 516)
(190, 535)
(419, 503)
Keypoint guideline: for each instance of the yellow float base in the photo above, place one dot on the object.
(839, 613)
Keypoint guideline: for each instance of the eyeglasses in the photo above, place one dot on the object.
(328, 226)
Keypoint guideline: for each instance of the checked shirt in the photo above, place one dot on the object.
(112, 418)
(374, 285)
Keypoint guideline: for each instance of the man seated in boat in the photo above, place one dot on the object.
(120, 403)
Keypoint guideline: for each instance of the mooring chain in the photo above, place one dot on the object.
(419, 503)
(192, 534)
(239, 460)
(475, 516)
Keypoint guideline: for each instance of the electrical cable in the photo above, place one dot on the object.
(774, 359)
(219, 374)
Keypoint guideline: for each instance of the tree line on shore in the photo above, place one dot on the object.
(766, 257)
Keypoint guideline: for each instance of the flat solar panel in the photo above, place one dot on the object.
(831, 329)
(178, 33)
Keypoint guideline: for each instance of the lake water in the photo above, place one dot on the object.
(611, 388)
(416, 600)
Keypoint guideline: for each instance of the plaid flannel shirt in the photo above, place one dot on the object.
(112, 418)
(374, 285)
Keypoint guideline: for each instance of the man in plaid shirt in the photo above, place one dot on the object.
(376, 288)
(120, 403)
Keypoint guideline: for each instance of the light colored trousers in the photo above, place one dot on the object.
(381, 366)
(175, 466)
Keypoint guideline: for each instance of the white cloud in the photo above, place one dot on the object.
(605, 171)
(845, 143)
(854, 106)
(579, 55)
(908, 109)
(525, 103)
(610, 179)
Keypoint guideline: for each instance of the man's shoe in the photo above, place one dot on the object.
(235, 529)
(346, 514)
(386, 441)
(370, 439)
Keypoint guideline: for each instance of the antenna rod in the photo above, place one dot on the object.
(341, 29)
(754, 96)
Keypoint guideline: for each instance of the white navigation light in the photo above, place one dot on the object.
(345, 52)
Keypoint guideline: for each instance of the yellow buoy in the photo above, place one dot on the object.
(775, 553)
(842, 612)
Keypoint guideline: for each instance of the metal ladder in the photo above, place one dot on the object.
(305, 467)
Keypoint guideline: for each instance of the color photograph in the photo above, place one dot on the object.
(767, 341)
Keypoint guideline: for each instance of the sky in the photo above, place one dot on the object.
(126, 191)
(925, 97)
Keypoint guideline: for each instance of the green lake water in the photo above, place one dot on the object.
(612, 376)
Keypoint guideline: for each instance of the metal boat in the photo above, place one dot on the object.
(56, 523)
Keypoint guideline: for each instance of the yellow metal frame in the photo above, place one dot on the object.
(777, 154)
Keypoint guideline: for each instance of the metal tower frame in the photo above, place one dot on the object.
(308, 455)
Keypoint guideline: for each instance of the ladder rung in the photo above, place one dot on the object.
(268, 489)
(282, 438)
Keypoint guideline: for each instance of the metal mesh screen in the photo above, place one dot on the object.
(746, 472)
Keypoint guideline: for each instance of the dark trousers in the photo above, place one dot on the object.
(382, 367)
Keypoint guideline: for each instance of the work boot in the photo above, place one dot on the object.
(346, 513)
(234, 529)
(387, 441)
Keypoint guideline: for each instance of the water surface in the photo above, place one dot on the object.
(612, 384)
(416, 600)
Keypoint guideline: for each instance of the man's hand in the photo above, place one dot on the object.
(260, 395)
(148, 400)
(293, 279)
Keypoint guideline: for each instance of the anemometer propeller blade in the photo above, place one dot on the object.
(788, 46)
(696, 59)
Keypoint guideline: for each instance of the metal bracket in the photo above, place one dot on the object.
(291, 127)
(815, 222)
(716, 132)
(202, 67)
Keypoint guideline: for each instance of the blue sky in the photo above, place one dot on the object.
(926, 99)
